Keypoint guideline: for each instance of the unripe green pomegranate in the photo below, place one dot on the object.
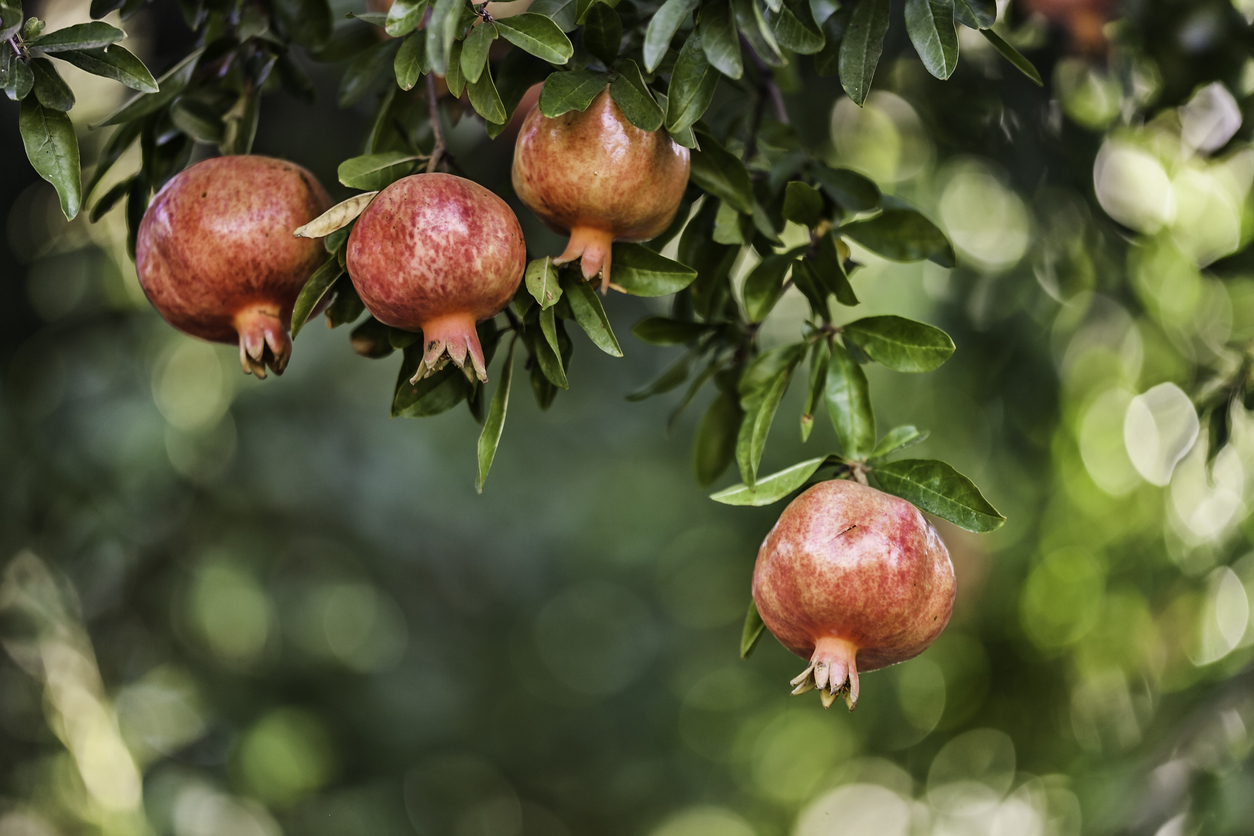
(437, 253)
(600, 178)
(852, 579)
(216, 257)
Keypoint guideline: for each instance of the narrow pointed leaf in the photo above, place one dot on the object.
(795, 29)
(113, 62)
(714, 446)
(759, 415)
(564, 92)
(50, 89)
(411, 60)
(751, 632)
(542, 282)
(538, 35)
(486, 100)
(490, 438)
(976, 14)
(375, 171)
(52, 148)
(319, 284)
(662, 28)
(1013, 55)
(659, 330)
(898, 438)
(591, 317)
(753, 27)
(901, 344)
(168, 86)
(764, 285)
(603, 33)
(669, 379)
(770, 489)
(861, 48)
(692, 86)
(849, 405)
(937, 488)
(902, 235)
(632, 95)
(548, 351)
(820, 356)
(79, 36)
(719, 40)
(722, 174)
(640, 271)
(474, 55)
(930, 25)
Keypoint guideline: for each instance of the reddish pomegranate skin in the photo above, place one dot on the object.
(852, 579)
(216, 256)
(600, 178)
(437, 253)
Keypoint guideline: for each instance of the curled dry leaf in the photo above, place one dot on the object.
(337, 217)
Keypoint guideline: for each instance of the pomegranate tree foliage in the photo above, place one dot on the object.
(664, 68)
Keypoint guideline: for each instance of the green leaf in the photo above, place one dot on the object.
(632, 95)
(371, 339)
(721, 173)
(662, 28)
(50, 89)
(764, 285)
(319, 284)
(79, 36)
(714, 447)
(561, 12)
(404, 16)
(660, 330)
(639, 271)
(937, 488)
(976, 14)
(827, 268)
(753, 27)
(486, 100)
(898, 438)
(1013, 55)
(902, 235)
(538, 35)
(564, 92)
(711, 369)
(543, 282)
(347, 306)
(751, 632)
(454, 79)
(802, 203)
(827, 60)
(770, 489)
(307, 21)
(795, 29)
(759, 414)
(375, 171)
(110, 199)
(430, 395)
(692, 86)
(475, 50)
(591, 317)
(364, 70)
(719, 40)
(860, 50)
(854, 192)
(52, 149)
(10, 19)
(113, 62)
(765, 369)
(490, 438)
(820, 356)
(849, 405)
(603, 33)
(411, 60)
(441, 32)
(901, 344)
(197, 119)
(930, 25)
(669, 379)
(21, 80)
(168, 86)
(548, 352)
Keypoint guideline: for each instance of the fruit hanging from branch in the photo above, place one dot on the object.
(437, 253)
(216, 256)
(596, 176)
(852, 579)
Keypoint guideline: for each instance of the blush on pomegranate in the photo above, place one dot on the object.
(216, 256)
(437, 253)
(600, 178)
(852, 579)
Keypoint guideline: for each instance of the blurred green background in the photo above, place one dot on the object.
(252, 608)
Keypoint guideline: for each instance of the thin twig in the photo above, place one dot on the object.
(433, 111)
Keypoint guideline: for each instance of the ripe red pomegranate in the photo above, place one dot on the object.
(600, 178)
(437, 253)
(851, 578)
(216, 256)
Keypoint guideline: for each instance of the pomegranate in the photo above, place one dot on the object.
(216, 256)
(436, 253)
(1085, 19)
(600, 178)
(851, 578)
